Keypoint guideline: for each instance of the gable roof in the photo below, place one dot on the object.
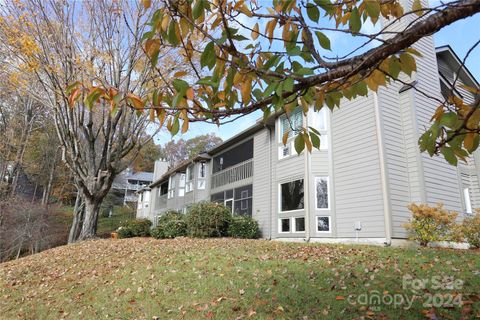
(141, 176)
(451, 57)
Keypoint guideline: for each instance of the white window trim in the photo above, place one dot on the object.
(189, 183)
(280, 197)
(294, 226)
(280, 225)
(329, 224)
(467, 200)
(204, 164)
(328, 192)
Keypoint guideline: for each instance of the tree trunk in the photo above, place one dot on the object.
(78, 214)
(89, 225)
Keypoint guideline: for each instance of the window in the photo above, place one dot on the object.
(299, 224)
(291, 195)
(189, 179)
(466, 198)
(284, 225)
(171, 187)
(285, 150)
(243, 200)
(323, 224)
(202, 174)
(181, 187)
(319, 119)
(290, 122)
(202, 170)
(321, 192)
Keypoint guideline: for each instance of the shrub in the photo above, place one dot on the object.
(170, 215)
(175, 228)
(158, 232)
(208, 219)
(431, 224)
(244, 227)
(471, 229)
(134, 228)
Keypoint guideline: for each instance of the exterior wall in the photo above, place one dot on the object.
(356, 164)
(262, 184)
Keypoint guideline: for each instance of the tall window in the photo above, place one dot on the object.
(291, 195)
(318, 120)
(321, 192)
(181, 187)
(189, 179)
(291, 122)
(171, 187)
(243, 200)
(202, 174)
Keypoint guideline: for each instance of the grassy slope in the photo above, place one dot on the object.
(223, 279)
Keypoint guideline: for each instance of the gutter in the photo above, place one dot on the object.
(270, 184)
(383, 174)
(306, 187)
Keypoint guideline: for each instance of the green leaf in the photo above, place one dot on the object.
(208, 57)
(323, 40)
(355, 22)
(172, 36)
(325, 5)
(449, 155)
(299, 143)
(180, 85)
(197, 9)
(449, 120)
(175, 126)
(315, 138)
(417, 6)
(312, 12)
(373, 9)
(288, 84)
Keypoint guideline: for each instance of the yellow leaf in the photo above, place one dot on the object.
(136, 101)
(246, 90)
(307, 141)
(285, 138)
(255, 32)
(468, 142)
(185, 125)
(152, 115)
(165, 22)
(179, 74)
(190, 93)
(161, 115)
(73, 97)
(147, 3)
(152, 46)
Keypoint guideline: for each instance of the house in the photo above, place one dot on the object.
(127, 183)
(357, 186)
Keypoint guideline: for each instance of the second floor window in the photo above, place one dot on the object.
(202, 174)
(189, 179)
(290, 123)
(171, 187)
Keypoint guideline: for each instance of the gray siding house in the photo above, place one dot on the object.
(356, 187)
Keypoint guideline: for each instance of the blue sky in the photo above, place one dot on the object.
(460, 36)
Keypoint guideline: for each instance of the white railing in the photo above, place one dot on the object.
(127, 186)
(238, 172)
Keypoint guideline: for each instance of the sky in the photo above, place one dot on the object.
(460, 35)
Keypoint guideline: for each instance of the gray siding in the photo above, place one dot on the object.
(356, 163)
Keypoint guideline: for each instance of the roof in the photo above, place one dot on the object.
(141, 176)
(453, 57)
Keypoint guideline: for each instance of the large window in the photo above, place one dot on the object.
(291, 122)
(189, 179)
(321, 192)
(163, 189)
(202, 175)
(238, 199)
(291, 195)
(181, 187)
(171, 187)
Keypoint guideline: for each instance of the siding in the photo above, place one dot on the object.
(356, 163)
(262, 192)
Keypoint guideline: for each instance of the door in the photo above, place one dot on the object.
(229, 204)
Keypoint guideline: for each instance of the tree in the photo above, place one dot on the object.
(146, 157)
(177, 151)
(90, 65)
(274, 57)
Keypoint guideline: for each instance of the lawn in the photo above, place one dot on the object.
(143, 278)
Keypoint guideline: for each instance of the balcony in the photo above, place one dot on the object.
(238, 172)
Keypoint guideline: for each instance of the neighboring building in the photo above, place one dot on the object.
(357, 186)
(127, 183)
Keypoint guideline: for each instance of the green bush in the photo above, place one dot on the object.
(431, 224)
(175, 228)
(244, 227)
(158, 232)
(471, 230)
(208, 219)
(170, 224)
(134, 228)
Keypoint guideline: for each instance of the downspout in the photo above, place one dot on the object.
(306, 187)
(270, 184)
(383, 173)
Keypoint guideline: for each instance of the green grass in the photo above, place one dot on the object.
(143, 278)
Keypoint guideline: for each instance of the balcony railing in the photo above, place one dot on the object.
(238, 172)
